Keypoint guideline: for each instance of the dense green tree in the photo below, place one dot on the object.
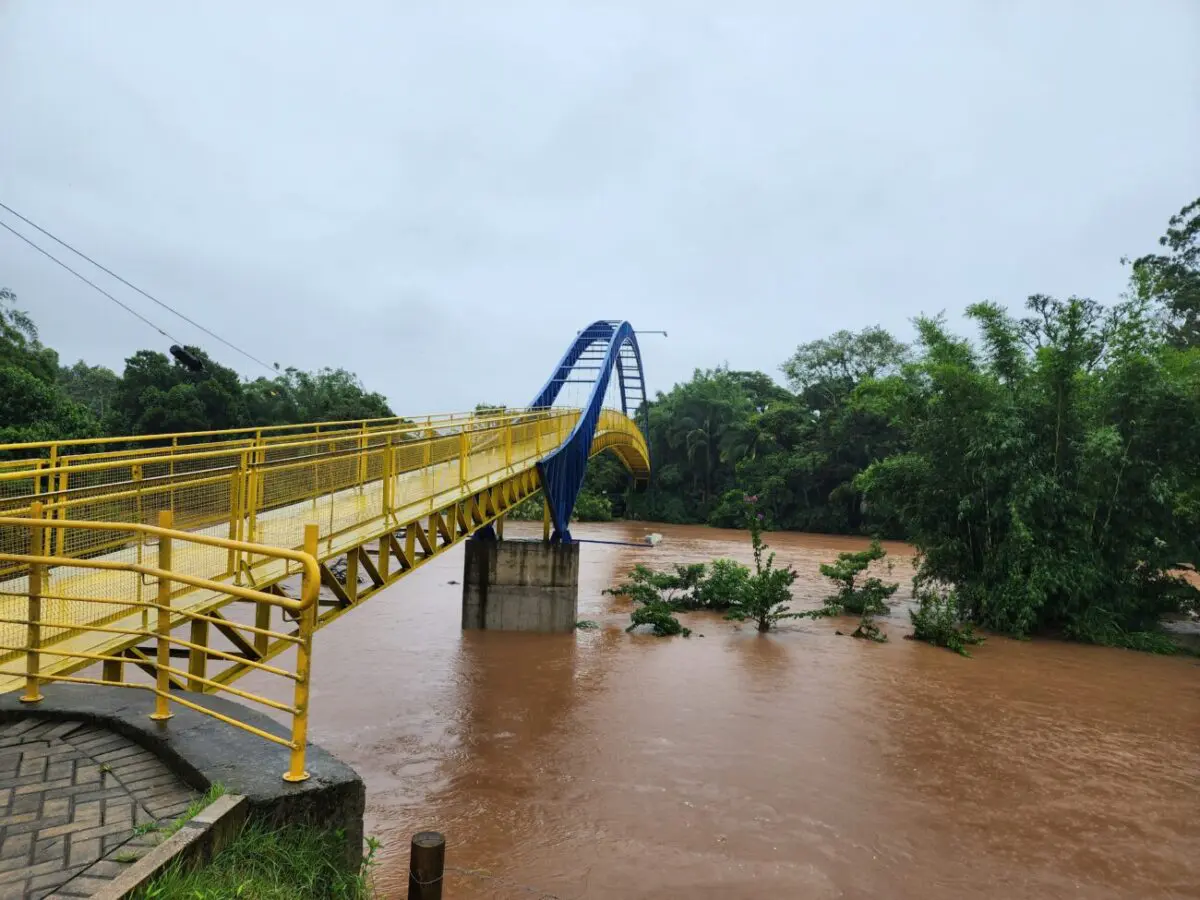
(93, 387)
(19, 343)
(1173, 278)
(33, 405)
(808, 447)
(824, 372)
(327, 395)
(155, 394)
(726, 433)
(1053, 472)
(35, 410)
(698, 431)
(159, 395)
(609, 482)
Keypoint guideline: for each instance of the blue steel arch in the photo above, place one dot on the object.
(601, 348)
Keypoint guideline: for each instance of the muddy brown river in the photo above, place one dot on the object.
(799, 764)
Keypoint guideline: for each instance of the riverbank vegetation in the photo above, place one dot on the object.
(1047, 471)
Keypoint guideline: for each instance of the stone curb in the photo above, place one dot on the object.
(200, 839)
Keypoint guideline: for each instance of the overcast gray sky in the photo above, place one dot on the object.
(437, 196)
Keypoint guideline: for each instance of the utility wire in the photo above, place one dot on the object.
(131, 286)
(82, 278)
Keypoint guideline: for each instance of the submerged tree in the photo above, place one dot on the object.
(936, 620)
(764, 601)
(655, 595)
(866, 598)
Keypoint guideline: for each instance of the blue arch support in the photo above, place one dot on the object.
(600, 348)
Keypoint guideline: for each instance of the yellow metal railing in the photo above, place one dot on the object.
(51, 453)
(617, 432)
(54, 601)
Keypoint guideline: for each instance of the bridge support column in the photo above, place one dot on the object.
(520, 586)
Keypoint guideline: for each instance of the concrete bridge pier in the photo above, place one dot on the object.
(520, 585)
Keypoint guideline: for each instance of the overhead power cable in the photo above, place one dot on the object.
(85, 280)
(127, 284)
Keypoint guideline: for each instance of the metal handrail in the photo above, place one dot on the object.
(169, 616)
(347, 427)
(43, 468)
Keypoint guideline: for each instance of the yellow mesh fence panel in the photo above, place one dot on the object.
(13, 540)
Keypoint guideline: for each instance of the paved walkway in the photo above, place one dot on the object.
(77, 804)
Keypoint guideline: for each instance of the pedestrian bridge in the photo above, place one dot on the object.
(178, 563)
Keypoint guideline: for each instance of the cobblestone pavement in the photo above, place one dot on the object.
(77, 804)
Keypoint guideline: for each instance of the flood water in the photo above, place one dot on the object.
(799, 764)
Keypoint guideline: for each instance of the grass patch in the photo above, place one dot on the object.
(194, 809)
(269, 864)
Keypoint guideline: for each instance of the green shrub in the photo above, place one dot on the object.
(869, 630)
(528, 510)
(724, 586)
(676, 589)
(865, 598)
(765, 598)
(657, 595)
(661, 616)
(591, 507)
(936, 621)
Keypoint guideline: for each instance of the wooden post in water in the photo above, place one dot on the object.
(426, 865)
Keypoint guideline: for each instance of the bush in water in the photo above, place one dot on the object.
(659, 615)
(936, 621)
(865, 599)
(768, 590)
